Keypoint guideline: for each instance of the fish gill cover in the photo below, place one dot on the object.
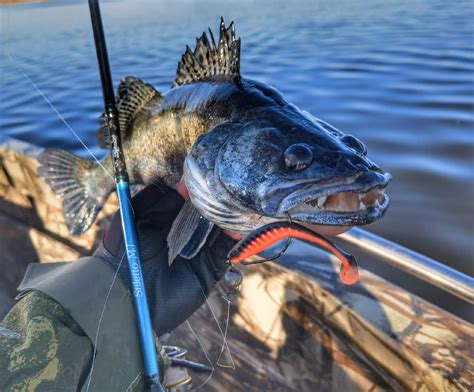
(248, 156)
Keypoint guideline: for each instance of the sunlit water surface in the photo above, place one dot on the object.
(398, 75)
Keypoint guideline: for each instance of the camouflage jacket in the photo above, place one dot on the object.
(47, 340)
(42, 347)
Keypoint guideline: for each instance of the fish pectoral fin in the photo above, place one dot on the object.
(188, 233)
(133, 97)
(198, 239)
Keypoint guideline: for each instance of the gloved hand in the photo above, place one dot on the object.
(174, 292)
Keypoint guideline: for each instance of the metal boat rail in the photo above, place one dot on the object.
(413, 263)
(292, 327)
(404, 259)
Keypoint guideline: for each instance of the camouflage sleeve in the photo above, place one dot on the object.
(42, 348)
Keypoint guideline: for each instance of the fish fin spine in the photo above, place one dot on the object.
(208, 59)
(70, 178)
(133, 97)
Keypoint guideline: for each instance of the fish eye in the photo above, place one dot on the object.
(298, 157)
(354, 143)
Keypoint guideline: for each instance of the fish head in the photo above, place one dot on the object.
(244, 175)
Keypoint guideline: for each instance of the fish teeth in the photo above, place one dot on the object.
(321, 201)
(361, 196)
(362, 206)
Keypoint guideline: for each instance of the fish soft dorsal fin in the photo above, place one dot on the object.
(133, 96)
(209, 59)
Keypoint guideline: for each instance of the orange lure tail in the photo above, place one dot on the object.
(264, 237)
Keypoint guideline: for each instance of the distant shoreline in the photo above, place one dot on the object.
(12, 2)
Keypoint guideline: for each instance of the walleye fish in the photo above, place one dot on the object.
(248, 156)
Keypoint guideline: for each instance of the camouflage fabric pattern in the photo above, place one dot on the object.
(42, 348)
(291, 328)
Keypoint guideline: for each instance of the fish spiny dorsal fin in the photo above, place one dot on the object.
(133, 97)
(209, 59)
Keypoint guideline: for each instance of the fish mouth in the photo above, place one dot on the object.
(352, 201)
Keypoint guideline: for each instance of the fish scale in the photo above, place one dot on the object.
(228, 136)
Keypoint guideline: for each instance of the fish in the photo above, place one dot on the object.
(248, 156)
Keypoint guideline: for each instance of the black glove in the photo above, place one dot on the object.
(174, 292)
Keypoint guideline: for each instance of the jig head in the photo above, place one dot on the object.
(232, 282)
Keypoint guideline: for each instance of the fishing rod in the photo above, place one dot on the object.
(145, 332)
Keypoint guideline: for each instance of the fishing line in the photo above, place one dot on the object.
(205, 354)
(224, 336)
(100, 322)
(110, 175)
(94, 157)
(20, 69)
(134, 381)
(225, 339)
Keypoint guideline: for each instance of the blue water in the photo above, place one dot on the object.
(399, 75)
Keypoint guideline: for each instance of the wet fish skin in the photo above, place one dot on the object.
(235, 173)
(232, 136)
(163, 137)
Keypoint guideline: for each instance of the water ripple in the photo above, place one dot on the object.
(399, 77)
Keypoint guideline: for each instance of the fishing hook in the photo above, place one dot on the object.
(277, 256)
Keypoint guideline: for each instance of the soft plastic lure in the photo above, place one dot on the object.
(264, 237)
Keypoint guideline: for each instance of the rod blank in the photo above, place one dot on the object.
(144, 326)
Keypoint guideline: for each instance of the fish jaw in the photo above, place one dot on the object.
(243, 200)
(352, 201)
